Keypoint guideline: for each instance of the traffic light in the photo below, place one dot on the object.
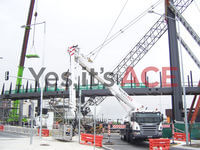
(7, 75)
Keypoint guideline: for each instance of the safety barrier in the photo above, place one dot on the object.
(1, 127)
(180, 136)
(20, 130)
(158, 144)
(88, 139)
(120, 126)
(45, 132)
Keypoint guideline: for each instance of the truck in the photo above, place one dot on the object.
(140, 123)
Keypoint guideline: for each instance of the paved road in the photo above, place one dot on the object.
(9, 135)
(118, 144)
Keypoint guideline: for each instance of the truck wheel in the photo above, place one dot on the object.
(128, 139)
(124, 137)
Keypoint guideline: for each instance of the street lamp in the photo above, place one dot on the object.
(182, 72)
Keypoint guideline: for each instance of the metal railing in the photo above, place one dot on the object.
(100, 87)
(20, 130)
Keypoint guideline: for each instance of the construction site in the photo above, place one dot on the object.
(57, 93)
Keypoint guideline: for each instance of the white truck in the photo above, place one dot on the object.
(140, 122)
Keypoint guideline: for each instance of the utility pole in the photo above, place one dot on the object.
(79, 114)
(94, 117)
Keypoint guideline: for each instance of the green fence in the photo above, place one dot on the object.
(194, 130)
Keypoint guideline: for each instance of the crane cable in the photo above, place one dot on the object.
(122, 30)
(197, 6)
(101, 46)
(34, 24)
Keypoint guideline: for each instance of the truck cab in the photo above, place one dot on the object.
(142, 125)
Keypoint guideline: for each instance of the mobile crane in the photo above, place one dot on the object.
(140, 122)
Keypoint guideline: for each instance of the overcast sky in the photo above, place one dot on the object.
(86, 23)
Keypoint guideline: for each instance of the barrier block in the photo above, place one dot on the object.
(180, 136)
(88, 139)
(45, 132)
(1, 128)
(158, 144)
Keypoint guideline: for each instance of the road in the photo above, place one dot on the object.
(5, 135)
(118, 144)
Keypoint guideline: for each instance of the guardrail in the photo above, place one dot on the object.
(82, 87)
(91, 87)
(18, 130)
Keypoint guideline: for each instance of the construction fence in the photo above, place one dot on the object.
(18, 130)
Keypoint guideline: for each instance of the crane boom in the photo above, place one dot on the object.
(187, 26)
(116, 90)
(139, 121)
(139, 50)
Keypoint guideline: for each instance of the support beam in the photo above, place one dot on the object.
(194, 58)
(192, 105)
(194, 116)
(177, 104)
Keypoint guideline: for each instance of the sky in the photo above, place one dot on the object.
(87, 24)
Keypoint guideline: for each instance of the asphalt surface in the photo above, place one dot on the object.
(15, 142)
(118, 144)
(6, 135)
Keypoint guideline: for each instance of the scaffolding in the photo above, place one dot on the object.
(5, 107)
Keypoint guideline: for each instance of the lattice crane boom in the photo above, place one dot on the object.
(140, 50)
(185, 24)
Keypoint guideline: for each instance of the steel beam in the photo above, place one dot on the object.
(189, 51)
(102, 92)
(177, 104)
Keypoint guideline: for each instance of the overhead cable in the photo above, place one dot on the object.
(122, 30)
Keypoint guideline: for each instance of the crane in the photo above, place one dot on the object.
(139, 51)
(140, 122)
